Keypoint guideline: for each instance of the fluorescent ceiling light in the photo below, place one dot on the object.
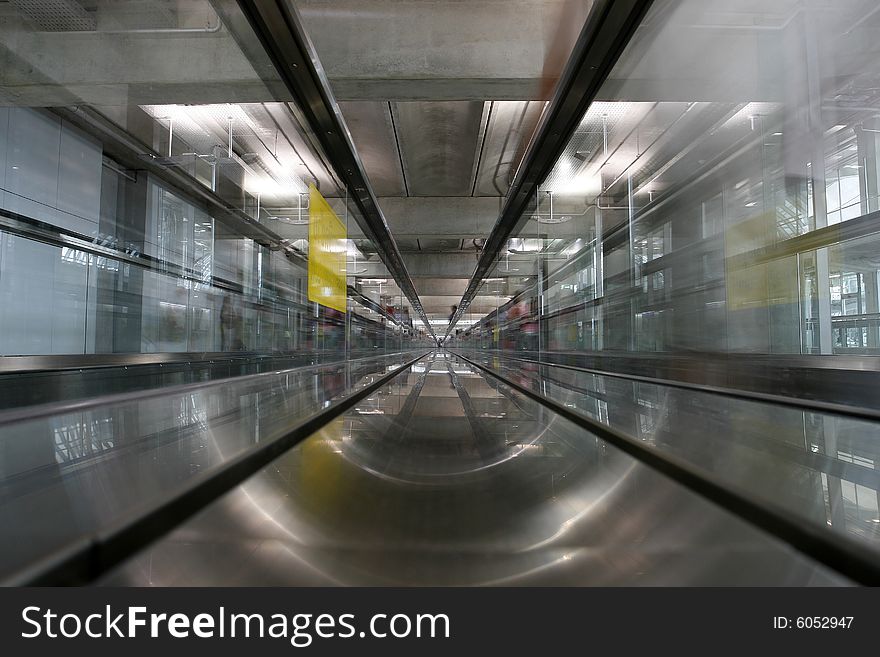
(580, 184)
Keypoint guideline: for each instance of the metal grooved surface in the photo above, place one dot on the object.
(448, 477)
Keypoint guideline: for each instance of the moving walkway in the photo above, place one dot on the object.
(438, 468)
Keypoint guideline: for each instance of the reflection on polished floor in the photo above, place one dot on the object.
(447, 477)
(74, 473)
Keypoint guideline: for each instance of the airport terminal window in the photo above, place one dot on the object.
(843, 179)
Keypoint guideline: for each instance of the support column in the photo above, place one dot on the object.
(119, 302)
(812, 34)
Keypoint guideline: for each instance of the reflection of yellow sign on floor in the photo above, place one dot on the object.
(326, 254)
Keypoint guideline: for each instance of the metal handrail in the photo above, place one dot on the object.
(869, 414)
(81, 405)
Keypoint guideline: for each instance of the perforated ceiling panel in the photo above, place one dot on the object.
(56, 15)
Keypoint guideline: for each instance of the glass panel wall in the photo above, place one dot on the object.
(154, 193)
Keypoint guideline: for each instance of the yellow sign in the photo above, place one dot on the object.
(747, 284)
(327, 250)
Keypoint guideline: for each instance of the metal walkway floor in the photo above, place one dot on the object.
(436, 469)
(446, 477)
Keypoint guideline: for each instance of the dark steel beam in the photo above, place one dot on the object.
(280, 30)
(607, 31)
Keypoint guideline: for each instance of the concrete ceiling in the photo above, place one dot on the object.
(441, 98)
(435, 50)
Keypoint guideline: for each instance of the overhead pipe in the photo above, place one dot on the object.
(208, 29)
